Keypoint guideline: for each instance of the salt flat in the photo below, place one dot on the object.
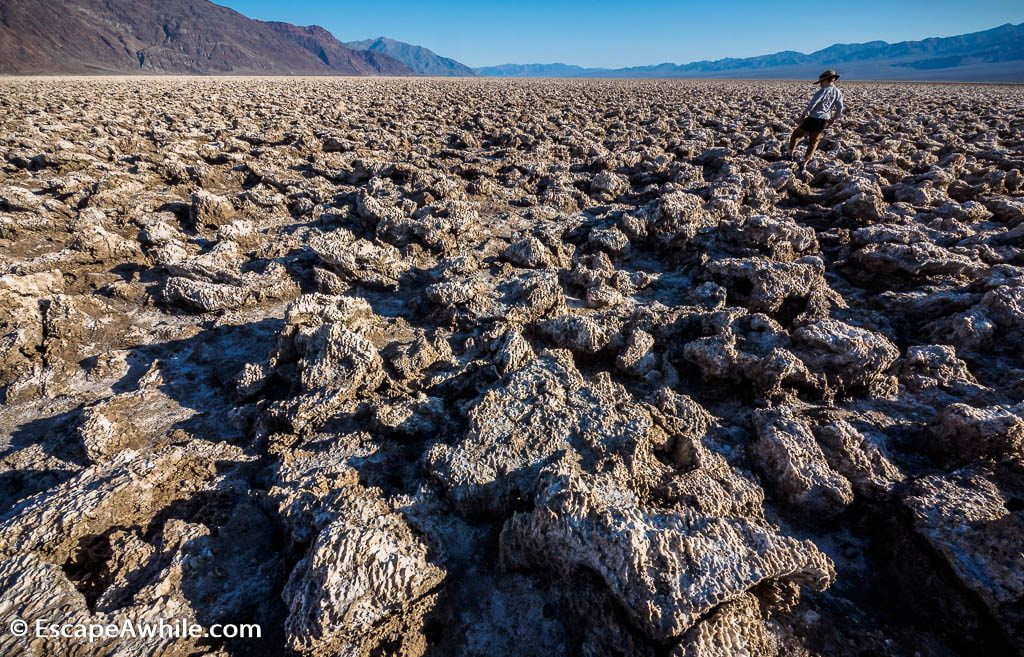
(531, 367)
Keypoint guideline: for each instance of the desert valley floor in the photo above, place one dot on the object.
(485, 368)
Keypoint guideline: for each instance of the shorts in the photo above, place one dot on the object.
(813, 125)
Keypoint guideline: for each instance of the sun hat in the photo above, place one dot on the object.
(827, 75)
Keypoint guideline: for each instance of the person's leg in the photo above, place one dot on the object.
(811, 147)
(798, 134)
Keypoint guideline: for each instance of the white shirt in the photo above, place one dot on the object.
(827, 101)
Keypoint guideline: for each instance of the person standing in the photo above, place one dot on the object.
(825, 107)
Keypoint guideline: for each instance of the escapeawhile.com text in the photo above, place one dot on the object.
(159, 629)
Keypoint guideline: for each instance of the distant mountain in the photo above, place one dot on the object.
(169, 36)
(995, 55)
(539, 71)
(421, 60)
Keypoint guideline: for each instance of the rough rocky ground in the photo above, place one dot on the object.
(453, 368)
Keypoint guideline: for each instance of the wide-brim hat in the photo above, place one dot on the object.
(827, 75)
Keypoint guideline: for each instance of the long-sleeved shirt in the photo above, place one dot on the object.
(826, 103)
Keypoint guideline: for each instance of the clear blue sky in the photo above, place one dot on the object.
(614, 34)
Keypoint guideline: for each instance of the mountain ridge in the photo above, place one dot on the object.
(996, 54)
(200, 37)
(422, 61)
(169, 37)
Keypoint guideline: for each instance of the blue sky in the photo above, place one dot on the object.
(613, 34)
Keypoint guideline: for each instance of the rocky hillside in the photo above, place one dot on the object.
(421, 60)
(169, 36)
(991, 55)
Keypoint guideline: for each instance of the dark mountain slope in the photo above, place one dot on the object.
(168, 36)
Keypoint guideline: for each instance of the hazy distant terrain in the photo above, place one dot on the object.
(421, 60)
(455, 368)
(992, 55)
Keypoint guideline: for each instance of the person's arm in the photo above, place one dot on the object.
(810, 105)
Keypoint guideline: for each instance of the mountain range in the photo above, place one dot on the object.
(201, 38)
(169, 36)
(992, 55)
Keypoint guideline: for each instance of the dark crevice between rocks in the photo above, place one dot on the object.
(900, 589)
(89, 567)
